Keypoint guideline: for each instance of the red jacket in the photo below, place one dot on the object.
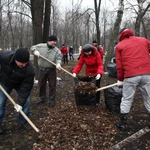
(93, 63)
(101, 51)
(132, 56)
(64, 50)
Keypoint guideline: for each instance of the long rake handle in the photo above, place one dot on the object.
(22, 113)
(106, 87)
(55, 65)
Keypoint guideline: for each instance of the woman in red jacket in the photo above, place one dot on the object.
(94, 65)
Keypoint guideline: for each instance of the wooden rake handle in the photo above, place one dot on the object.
(22, 113)
(106, 87)
(55, 65)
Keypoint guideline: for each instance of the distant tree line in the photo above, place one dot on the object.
(27, 22)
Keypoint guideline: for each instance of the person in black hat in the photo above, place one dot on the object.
(17, 73)
(94, 65)
(47, 70)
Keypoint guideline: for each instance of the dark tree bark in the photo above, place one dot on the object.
(97, 14)
(140, 14)
(115, 31)
(46, 20)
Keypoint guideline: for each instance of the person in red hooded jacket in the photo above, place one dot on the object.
(94, 65)
(64, 52)
(133, 69)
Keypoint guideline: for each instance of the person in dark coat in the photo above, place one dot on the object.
(17, 73)
(71, 53)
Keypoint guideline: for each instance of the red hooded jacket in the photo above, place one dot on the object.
(93, 63)
(132, 55)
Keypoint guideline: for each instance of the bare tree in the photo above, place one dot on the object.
(115, 30)
(140, 14)
(97, 14)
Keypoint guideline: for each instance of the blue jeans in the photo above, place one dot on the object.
(3, 100)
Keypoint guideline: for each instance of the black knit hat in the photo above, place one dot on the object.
(22, 55)
(87, 48)
(94, 41)
(52, 38)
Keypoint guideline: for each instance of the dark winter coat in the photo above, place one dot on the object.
(93, 63)
(132, 55)
(14, 77)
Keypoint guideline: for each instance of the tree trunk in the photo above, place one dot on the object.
(115, 31)
(46, 20)
(37, 21)
(140, 14)
(97, 13)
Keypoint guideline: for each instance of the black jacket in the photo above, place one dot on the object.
(14, 77)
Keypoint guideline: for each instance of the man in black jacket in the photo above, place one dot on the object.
(16, 72)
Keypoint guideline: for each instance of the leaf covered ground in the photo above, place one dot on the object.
(71, 127)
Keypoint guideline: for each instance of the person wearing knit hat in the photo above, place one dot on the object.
(94, 65)
(47, 70)
(87, 48)
(22, 55)
(52, 38)
(16, 73)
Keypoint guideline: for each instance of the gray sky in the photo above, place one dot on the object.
(88, 3)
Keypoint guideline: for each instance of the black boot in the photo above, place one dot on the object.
(39, 101)
(1, 129)
(123, 122)
(52, 103)
(149, 121)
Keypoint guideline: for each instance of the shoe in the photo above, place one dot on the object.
(121, 127)
(26, 126)
(40, 101)
(1, 130)
(52, 103)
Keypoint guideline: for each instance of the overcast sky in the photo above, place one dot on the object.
(88, 3)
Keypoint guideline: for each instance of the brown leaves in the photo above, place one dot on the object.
(85, 85)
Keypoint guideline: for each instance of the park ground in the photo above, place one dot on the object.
(71, 127)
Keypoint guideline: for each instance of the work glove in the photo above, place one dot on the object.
(119, 83)
(58, 66)
(36, 53)
(74, 75)
(98, 77)
(18, 107)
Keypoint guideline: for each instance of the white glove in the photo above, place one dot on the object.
(98, 77)
(58, 66)
(119, 83)
(36, 53)
(18, 107)
(74, 75)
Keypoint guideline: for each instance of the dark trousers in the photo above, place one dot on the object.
(71, 56)
(98, 93)
(65, 58)
(49, 76)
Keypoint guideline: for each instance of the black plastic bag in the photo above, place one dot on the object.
(113, 97)
(111, 69)
(84, 98)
